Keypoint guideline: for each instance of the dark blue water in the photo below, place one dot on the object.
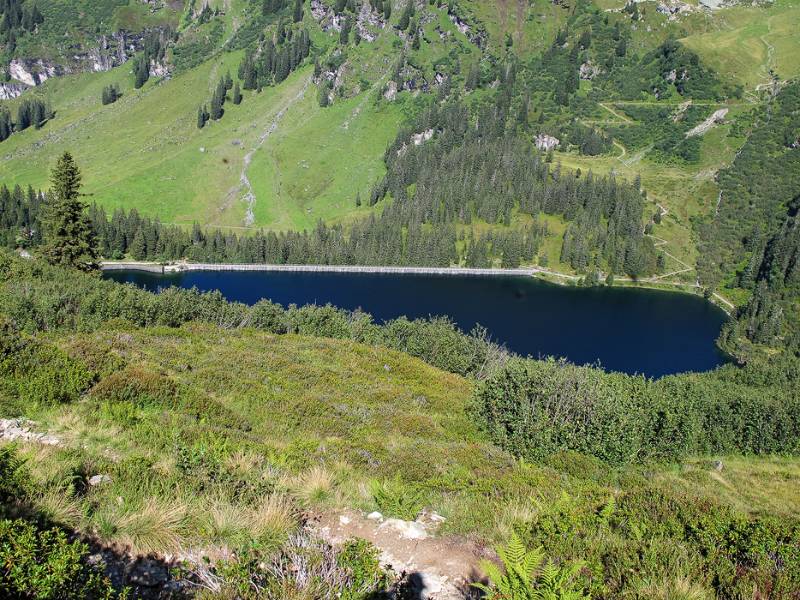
(622, 329)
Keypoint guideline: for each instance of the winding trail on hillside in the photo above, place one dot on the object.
(244, 181)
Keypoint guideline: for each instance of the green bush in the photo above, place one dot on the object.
(39, 373)
(137, 386)
(360, 561)
(647, 533)
(537, 408)
(45, 565)
(13, 480)
(526, 575)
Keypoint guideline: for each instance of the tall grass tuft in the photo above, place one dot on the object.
(156, 526)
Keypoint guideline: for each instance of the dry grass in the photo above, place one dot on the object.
(155, 526)
(225, 523)
(675, 589)
(272, 519)
(314, 486)
(60, 507)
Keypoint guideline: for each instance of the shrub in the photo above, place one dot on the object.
(648, 534)
(44, 564)
(537, 408)
(360, 562)
(136, 386)
(39, 373)
(13, 479)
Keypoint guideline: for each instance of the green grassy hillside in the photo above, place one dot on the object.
(280, 161)
(227, 440)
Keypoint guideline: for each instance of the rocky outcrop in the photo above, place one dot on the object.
(22, 430)
(477, 37)
(589, 71)
(110, 51)
(546, 143)
(673, 9)
(9, 91)
(715, 119)
(34, 72)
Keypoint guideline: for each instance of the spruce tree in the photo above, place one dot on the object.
(298, 11)
(69, 239)
(5, 124)
(405, 18)
(237, 94)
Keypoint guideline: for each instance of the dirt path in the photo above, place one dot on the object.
(615, 113)
(378, 85)
(245, 186)
(439, 568)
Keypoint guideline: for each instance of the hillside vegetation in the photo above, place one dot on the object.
(609, 83)
(219, 430)
(180, 445)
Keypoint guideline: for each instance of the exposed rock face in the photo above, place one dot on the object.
(22, 430)
(545, 142)
(421, 138)
(715, 119)
(391, 91)
(110, 52)
(674, 8)
(33, 72)
(8, 91)
(476, 37)
(589, 71)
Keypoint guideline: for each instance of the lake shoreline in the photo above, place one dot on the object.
(543, 274)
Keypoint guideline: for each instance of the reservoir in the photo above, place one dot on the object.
(655, 333)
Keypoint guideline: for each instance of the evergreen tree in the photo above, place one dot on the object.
(237, 94)
(6, 126)
(405, 18)
(323, 94)
(202, 116)
(69, 239)
(297, 15)
(344, 34)
(141, 72)
(138, 248)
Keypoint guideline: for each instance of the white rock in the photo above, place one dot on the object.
(343, 520)
(419, 138)
(410, 530)
(546, 142)
(99, 479)
(375, 516)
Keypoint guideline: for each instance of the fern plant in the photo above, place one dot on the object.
(526, 575)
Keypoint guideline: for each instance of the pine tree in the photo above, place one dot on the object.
(405, 18)
(202, 116)
(138, 247)
(5, 124)
(237, 94)
(298, 11)
(323, 94)
(69, 239)
(141, 72)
